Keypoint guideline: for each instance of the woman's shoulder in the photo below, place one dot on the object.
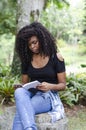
(59, 56)
(59, 63)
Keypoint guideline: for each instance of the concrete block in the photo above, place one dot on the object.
(42, 120)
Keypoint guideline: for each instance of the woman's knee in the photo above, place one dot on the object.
(41, 104)
(19, 92)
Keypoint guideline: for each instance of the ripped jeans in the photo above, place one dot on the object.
(28, 105)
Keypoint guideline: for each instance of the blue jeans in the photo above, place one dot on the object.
(28, 105)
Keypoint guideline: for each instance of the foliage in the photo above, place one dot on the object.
(84, 19)
(59, 3)
(81, 50)
(7, 16)
(4, 70)
(76, 89)
(6, 90)
(82, 40)
(6, 48)
(74, 56)
(63, 24)
(61, 43)
(6, 84)
(62, 21)
(74, 93)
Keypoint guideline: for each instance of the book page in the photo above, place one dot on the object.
(32, 84)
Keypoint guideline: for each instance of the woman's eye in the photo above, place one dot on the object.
(34, 42)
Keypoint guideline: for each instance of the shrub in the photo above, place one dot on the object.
(76, 89)
(6, 89)
(4, 70)
(6, 85)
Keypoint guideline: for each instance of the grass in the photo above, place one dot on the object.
(78, 122)
(74, 56)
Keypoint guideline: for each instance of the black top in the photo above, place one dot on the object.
(48, 73)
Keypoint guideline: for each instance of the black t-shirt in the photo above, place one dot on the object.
(48, 73)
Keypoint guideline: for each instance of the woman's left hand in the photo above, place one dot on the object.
(44, 86)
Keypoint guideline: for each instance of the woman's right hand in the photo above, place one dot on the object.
(17, 86)
(44, 86)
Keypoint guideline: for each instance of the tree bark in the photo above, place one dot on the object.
(36, 8)
(24, 10)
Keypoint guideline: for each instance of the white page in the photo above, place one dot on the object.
(32, 84)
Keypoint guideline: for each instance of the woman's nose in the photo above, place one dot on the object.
(32, 45)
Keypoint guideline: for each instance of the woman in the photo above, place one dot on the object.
(39, 61)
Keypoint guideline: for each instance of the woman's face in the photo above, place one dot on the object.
(33, 44)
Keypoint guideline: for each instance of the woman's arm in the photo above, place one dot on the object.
(24, 78)
(61, 77)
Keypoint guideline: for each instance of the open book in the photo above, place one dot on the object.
(32, 84)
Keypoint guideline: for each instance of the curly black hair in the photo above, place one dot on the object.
(46, 40)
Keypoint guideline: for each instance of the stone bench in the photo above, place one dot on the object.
(42, 120)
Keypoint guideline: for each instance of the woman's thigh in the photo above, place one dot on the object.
(41, 104)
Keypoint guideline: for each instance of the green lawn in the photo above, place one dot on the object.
(74, 56)
(78, 122)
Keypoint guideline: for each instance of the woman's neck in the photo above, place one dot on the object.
(39, 61)
(38, 55)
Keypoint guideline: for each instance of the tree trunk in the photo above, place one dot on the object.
(84, 19)
(37, 7)
(24, 9)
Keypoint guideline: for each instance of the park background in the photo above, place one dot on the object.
(66, 20)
